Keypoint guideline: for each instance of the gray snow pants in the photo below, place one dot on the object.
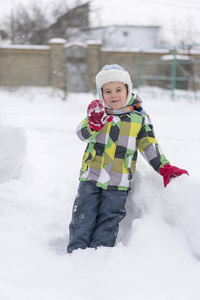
(95, 217)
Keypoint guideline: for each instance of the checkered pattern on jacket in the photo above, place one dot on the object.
(111, 154)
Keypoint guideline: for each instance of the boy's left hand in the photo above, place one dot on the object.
(97, 115)
(168, 172)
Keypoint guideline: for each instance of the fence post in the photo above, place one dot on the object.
(57, 62)
(174, 74)
(139, 68)
(93, 61)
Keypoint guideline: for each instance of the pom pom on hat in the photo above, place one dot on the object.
(113, 73)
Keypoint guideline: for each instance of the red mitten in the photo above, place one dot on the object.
(97, 115)
(168, 172)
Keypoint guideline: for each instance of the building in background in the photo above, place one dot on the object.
(120, 36)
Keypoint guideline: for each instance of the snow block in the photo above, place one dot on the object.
(181, 208)
(13, 144)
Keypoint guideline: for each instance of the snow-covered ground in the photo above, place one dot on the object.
(158, 247)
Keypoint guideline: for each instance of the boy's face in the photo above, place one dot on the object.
(114, 94)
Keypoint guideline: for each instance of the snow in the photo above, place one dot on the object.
(29, 47)
(178, 57)
(158, 248)
(57, 41)
(76, 43)
(129, 49)
(12, 152)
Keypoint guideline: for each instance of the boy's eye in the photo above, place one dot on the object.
(109, 92)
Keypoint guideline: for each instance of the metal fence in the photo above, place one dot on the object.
(178, 70)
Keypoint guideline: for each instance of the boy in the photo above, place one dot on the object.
(114, 133)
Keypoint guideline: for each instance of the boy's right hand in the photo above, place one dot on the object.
(97, 115)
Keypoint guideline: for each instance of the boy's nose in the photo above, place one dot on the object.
(113, 95)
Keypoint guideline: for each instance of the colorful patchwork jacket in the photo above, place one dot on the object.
(111, 153)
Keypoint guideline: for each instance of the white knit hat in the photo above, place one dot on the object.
(112, 73)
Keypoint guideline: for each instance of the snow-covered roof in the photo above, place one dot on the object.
(120, 26)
